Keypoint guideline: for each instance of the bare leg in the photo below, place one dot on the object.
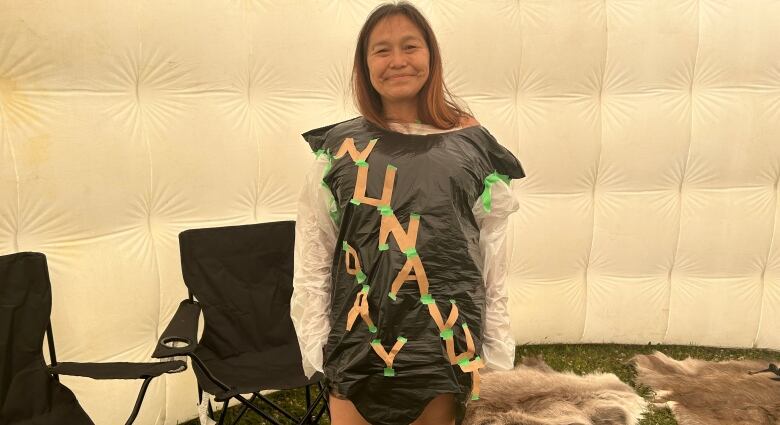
(343, 412)
(439, 411)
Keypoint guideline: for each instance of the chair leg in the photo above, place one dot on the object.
(307, 416)
(243, 410)
(326, 399)
(277, 407)
(139, 400)
(308, 402)
(224, 412)
(256, 409)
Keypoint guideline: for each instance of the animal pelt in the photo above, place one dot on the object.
(535, 394)
(711, 393)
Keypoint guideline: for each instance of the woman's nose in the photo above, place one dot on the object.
(397, 58)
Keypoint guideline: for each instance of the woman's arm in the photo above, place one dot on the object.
(498, 346)
(315, 240)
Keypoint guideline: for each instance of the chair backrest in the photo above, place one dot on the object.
(242, 277)
(28, 392)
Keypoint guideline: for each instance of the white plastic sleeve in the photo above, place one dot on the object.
(315, 239)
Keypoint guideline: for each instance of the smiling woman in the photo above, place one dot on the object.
(399, 294)
(398, 73)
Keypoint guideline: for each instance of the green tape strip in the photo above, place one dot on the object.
(391, 295)
(361, 163)
(384, 247)
(465, 326)
(372, 329)
(464, 362)
(411, 252)
(360, 276)
(426, 299)
(452, 301)
(475, 397)
(376, 342)
(414, 216)
(389, 371)
(402, 339)
(446, 334)
(354, 201)
(391, 167)
(476, 359)
(365, 289)
(385, 210)
(344, 246)
(492, 178)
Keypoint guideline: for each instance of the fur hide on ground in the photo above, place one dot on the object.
(711, 393)
(535, 394)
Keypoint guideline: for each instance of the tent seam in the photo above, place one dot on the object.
(598, 165)
(684, 170)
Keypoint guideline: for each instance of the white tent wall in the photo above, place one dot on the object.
(649, 130)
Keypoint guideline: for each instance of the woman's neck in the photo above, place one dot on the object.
(403, 113)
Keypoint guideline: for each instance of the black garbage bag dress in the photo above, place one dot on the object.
(408, 296)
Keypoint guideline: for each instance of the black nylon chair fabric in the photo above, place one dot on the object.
(242, 278)
(118, 370)
(29, 395)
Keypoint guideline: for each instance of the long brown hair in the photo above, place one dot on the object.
(433, 107)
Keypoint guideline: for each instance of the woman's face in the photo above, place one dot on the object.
(398, 59)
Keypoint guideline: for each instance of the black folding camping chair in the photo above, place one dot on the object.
(30, 391)
(241, 278)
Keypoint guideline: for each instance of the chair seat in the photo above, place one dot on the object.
(275, 368)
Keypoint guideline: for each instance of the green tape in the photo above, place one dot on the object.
(391, 167)
(476, 359)
(487, 198)
(414, 216)
(318, 153)
(452, 301)
(426, 299)
(344, 246)
(475, 397)
(384, 247)
(411, 252)
(360, 276)
(385, 210)
(464, 362)
(446, 334)
(389, 371)
(391, 295)
(402, 339)
(376, 342)
(465, 326)
(372, 329)
(354, 201)
(365, 289)
(361, 163)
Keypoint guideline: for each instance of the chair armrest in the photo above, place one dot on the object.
(118, 370)
(181, 336)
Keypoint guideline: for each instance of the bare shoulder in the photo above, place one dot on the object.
(468, 121)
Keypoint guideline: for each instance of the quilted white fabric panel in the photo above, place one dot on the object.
(649, 130)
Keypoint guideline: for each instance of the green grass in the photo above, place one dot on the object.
(578, 358)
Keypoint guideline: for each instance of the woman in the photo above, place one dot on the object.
(400, 241)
